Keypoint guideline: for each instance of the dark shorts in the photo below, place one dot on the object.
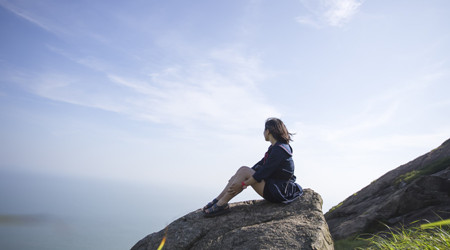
(281, 191)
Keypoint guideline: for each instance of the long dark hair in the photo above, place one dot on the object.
(278, 130)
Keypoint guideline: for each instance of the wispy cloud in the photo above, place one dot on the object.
(220, 90)
(181, 85)
(27, 11)
(329, 12)
(71, 89)
(63, 20)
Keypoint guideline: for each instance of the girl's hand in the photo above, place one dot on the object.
(235, 188)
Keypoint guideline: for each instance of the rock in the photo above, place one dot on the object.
(416, 191)
(256, 224)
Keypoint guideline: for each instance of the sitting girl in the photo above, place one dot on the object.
(272, 177)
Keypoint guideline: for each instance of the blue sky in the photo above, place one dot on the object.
(167, 92)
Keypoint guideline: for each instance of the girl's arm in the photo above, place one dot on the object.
(258, 164)
(273, 162)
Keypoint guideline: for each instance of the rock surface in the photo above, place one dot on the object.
(254, 224)
(412, 192)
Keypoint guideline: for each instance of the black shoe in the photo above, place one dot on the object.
(216, 210)
(210, 204)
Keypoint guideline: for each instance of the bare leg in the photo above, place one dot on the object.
(243, 174)
(225, 190)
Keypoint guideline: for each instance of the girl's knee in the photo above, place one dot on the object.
(243, 168)
(245, 171)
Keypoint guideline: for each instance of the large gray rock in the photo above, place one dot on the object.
(254, 224)
(416, 191)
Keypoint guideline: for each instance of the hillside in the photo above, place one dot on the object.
(418, 190)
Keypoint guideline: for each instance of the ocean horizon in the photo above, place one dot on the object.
(48, 212)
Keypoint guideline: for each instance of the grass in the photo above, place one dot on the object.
(427, 170)
(351, 243)
(335, 207)
(432, 236)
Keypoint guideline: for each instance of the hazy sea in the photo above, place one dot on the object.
(45, 212)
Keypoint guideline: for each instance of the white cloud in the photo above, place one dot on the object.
(329, 12)
(218, 91)
(341, 11)
(215, 88)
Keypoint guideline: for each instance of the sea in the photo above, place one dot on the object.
(49, 212)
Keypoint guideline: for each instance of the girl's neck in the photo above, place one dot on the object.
(272, 141)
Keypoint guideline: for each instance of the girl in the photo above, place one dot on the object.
(272, 177)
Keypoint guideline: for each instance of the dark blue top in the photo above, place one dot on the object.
(277, 170)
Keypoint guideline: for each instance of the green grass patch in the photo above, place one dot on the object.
(435, 236)
(351, 243)
(427, 170)
(335, 207)
(422, 237)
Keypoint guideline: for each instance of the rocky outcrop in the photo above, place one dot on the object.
(412, 192)
(254, 224)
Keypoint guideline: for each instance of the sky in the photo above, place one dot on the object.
(176, 93)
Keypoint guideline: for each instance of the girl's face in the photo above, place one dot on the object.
(266, 134)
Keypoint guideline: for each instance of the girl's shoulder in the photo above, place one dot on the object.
(285, 147)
